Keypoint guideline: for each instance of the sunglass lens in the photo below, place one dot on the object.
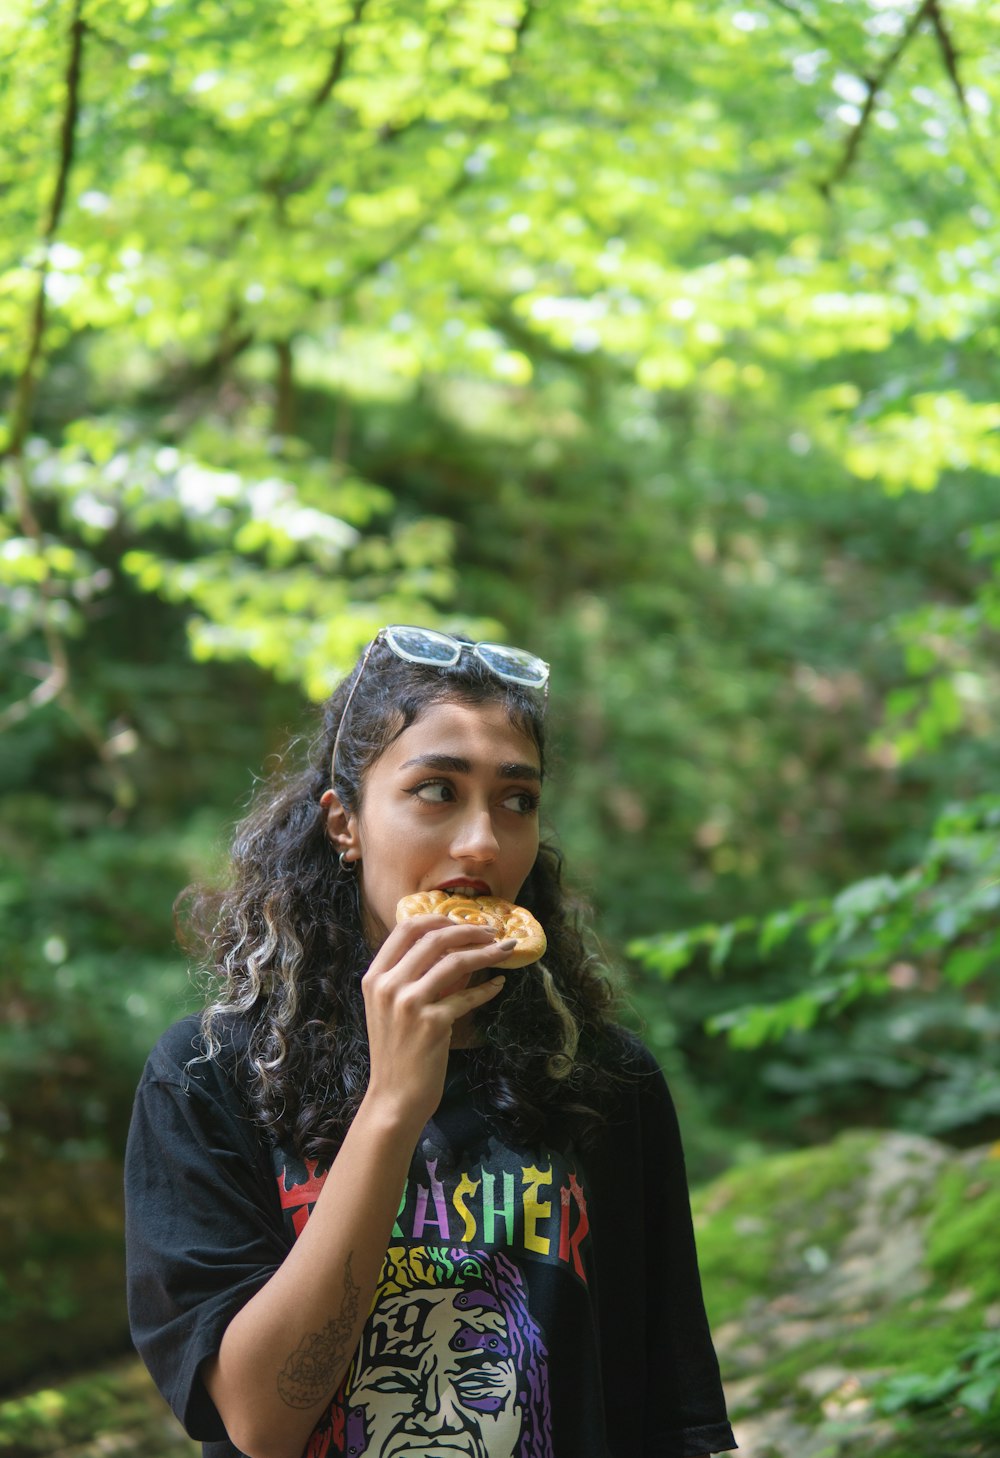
(514, 663)
(423, 645)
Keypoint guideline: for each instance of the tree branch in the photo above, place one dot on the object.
(56, 683)
(56, 678)
(279, 182)
(875, 85)
(284, 389)
(27, 382)
(338, 61)
(949, 55)
(51, 686)
(461, 180)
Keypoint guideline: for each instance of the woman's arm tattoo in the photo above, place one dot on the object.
(312, 1370)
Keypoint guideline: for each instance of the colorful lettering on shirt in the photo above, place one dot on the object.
(298, 1198)
(492, 1211)
(535, 1210)
(571, 1233)
(421, 1217)
(498, 1204)
(464, 1188)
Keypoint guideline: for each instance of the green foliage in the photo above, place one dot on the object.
(662, 341)
(930, 931)
(879, 932)
(268, 575)
(972, 1381)
(268, 370)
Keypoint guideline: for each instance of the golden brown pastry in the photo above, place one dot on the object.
(502, 917)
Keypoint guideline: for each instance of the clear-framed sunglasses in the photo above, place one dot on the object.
(431, 649)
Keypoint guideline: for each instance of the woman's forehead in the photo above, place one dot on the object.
(480, 731)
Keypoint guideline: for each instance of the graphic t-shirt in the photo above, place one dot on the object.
(532, 1303)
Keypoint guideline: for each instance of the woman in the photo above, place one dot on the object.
(383, 1199)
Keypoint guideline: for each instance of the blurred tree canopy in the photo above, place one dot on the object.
(662, 338)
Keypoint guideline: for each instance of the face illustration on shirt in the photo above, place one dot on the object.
(435, 1377)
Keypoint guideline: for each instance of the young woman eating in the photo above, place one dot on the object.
(384, 1199)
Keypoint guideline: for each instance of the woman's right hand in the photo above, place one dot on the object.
(416, 989)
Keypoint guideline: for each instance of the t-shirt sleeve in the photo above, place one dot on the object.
(685, 1406)
(662, 1382)
(203, 1228)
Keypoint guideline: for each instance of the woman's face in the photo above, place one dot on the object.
(452, 804)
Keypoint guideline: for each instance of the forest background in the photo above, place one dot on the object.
(659, 338)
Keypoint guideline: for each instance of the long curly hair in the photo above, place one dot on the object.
(285, 948)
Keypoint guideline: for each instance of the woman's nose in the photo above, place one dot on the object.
(475, 838)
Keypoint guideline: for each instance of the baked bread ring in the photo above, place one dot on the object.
(502, 917)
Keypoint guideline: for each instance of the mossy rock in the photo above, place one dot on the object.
(114, 1411)
(855, 1297)
(854, 1292)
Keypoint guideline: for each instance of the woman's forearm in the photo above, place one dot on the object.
(284, 1354)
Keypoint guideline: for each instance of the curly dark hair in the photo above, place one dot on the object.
(286, 948)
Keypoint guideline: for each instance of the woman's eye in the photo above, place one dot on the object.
(521, 801)
(433, 792)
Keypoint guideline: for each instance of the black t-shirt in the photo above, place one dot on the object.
(532, 1303)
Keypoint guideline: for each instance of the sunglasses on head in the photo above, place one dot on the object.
(431, 649)
(440, 650)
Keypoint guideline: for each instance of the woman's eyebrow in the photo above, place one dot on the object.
(519, 772)
(459, 766)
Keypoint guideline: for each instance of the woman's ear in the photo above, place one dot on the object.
(341, 827)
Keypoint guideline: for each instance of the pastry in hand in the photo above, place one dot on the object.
(502, 917)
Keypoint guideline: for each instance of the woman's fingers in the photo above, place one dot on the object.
(457, 974)
(408, 936)
(457, 1004)
(419, 977)
(419, 946)
(448, 973)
